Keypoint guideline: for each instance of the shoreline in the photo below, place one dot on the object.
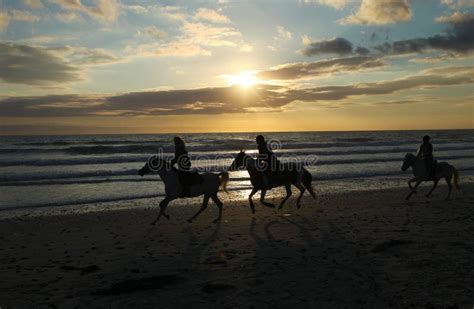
(238, 194)
(352, 249)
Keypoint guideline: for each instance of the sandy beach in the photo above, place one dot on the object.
(345, 250)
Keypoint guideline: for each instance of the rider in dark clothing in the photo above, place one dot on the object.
(181, 156)
(425, 152)
(267, 159)
(182, 159)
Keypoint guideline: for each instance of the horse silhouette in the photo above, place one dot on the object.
(443, 170)
(208, 187)
(292, 174)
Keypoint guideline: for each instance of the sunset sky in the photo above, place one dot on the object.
(106, 66)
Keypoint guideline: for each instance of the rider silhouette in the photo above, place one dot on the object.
(181, 156)
(182, 159)
(425, 152)
(266, 159)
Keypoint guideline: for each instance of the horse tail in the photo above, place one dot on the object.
(307, 178)
(224, 176)
(456, 178)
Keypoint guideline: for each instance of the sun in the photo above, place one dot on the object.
(245, 80)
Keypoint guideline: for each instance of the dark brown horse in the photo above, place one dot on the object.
(292, 174)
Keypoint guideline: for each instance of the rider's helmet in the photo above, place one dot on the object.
(260, 139)
(426, 138)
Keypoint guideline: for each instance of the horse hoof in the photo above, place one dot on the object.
(298, 206)
(216, 221)
(189, 221)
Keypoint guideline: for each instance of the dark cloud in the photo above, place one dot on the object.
(338, 46)
(34, 66)
(458, 38)
(362, 50)
(314, 69)
(219, 100)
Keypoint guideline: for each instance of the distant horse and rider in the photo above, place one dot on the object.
(425, 168)
(267, 172)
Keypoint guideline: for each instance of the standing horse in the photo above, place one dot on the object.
(209, 186)
(292, 175)
(443, 170)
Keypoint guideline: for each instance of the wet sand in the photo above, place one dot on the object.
(345, 250)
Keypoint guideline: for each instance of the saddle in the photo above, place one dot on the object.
(188, 179)
(278, 178)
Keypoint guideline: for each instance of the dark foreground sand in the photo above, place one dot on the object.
(365, 249)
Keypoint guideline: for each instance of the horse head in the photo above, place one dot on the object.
(240, 161)
(408, 161)
(153, 164)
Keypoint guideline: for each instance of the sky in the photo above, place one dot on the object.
(123, 66)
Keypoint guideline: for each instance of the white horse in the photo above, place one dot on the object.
(443, 170)
(209, 187)
(293, 174)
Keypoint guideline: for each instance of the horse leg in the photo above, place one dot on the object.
(432, 189)
(205, 201)
(302, 189)
(252, 206)
(413, 190)
(288, 194)
(450, 187)
(410, 182)
(163, 204)
(219, 205)
(262, 199)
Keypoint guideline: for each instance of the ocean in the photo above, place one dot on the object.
(39, 171)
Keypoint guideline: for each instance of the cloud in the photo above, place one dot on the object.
(338, 46)
(172, 12)
(23, 16)
(4, 20)
(457, 4)
(41, 39)
(34, 4)
(78, 55)
(456, 18)
(68, 17)
(195, 39)
(320, 68)
(337, 4)
(102, 10)
(211, 16)
(283, 34)
(154, 32)
(31, 65)
(135, 8)
(380, 12)
(221, 99)
(459, 38)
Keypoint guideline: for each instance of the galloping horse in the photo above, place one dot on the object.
(209, 186)
(293, 174)
(418, 166)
